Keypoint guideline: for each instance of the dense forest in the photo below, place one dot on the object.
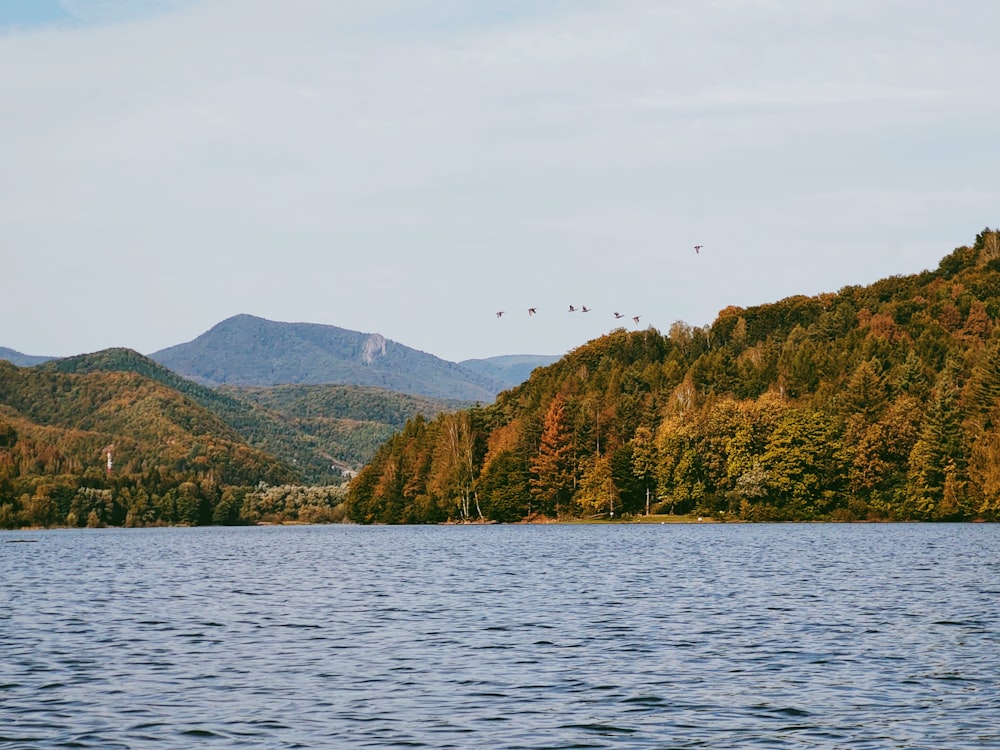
(873, 403)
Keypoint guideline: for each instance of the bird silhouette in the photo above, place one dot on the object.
(636, 319)
(499, 313)
(572, 309)
(531, 311)
(697, 249)
(584, 309)
(618, 315)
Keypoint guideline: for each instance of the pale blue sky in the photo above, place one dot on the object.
(409, 168)
(23, 13)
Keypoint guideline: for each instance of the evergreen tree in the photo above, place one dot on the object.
(938, 458)
(867, 392)
(503, 488)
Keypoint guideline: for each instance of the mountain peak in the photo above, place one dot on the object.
(247, 350)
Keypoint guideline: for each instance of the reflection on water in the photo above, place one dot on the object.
(740, 636)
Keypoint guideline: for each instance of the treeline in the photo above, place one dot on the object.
(874, 403)
(157, 498)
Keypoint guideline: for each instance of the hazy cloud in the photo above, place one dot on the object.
(410, 167)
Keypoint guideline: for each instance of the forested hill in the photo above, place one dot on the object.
(173, 460)
(261, 428)
(320, 430)
(874, 402)
(343, 423)
(246, 350)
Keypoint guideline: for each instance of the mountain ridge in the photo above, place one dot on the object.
(22, 360)
(246, 350)
(249, 351)
(511, 369)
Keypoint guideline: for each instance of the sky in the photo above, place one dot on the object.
(412, 167)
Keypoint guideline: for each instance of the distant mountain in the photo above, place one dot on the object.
(246, 350)
(21, 360)
(510, 369)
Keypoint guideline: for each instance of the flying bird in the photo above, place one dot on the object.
(499, 313)
(572, 309)
(584, 309)
(697, 249)
(618, 315)
(636, 319)
(531, 311)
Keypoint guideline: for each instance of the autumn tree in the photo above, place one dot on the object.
(643, 455)
(553, 468)
(804, 475)
(597, 493)
(867, 392)
(454, 469)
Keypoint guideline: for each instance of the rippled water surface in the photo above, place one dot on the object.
(735, 636)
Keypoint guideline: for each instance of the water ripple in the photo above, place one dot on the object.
(780, 636)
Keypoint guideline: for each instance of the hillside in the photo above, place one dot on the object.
(173, 460)
(871, 403)
(345, 423)
(246, 350)
(320, 430)
(261, 428)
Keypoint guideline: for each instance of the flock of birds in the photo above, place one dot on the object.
(585, 309)
(573, 308)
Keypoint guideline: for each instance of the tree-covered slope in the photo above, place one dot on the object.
(345, 423)
(172, 458)
(260, 427)
(875, 402)
(321, 430)
(246, 350)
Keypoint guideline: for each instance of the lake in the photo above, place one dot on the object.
(597, 636)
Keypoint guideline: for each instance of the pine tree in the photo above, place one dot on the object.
(867, 393)
(939, 456)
